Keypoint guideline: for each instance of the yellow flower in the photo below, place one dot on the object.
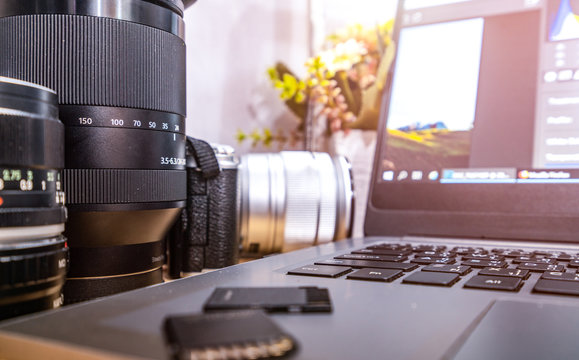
(288, 87)
(273, 75)
(300, 97)
(315, 65)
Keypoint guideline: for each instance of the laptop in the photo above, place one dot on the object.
(472, 225)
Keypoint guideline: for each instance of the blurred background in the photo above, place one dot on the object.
(231, 45)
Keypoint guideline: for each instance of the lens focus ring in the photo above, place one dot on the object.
(108, 62)
(118, 186)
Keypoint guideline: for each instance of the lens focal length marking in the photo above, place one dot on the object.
(111, 117)
(30, 188)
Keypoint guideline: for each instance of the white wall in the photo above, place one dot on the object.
(230, 46)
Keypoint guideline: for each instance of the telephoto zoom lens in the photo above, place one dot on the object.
(33, 253)
(118, 67)
(293, 199)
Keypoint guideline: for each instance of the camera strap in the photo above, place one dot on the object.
(204, 156)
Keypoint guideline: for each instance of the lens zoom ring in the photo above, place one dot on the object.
(95, 60)
(119, 186)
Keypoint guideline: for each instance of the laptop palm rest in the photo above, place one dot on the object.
(523, 330)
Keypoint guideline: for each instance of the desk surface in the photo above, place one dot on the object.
(369, 320)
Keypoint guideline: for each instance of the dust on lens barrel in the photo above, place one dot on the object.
(118, 68)
(33, 253)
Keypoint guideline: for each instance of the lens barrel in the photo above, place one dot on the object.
(33, 254)
(118, 67)
(293, 199)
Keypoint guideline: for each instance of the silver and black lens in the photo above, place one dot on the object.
(118, 67)
(33, 253)
(293, 199)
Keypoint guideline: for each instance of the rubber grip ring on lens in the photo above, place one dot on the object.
(118, 186)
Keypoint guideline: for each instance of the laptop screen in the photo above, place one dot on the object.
(481, 115)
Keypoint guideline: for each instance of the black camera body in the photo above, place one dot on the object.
(206, 233)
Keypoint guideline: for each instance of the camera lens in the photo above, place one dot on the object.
(293, 199)
(33, 255)
(118, 67)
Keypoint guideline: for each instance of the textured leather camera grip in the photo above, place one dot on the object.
(211, 237)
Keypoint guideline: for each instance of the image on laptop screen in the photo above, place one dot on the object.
(483, 109)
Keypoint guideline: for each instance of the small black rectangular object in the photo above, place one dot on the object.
(378, 251)
(454, 269)
(431, 278)
(427, 260)
(385, 275)
(493, 271)
(320, 270)
(540, 267)
(494, 283)
(557, 275)
(271, 299)
(371, 257)
(233, 334)
(484, 263)
(557, 287)
(369, 264)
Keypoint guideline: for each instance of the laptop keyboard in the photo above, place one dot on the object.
(494, 269)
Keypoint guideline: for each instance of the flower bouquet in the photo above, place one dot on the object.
(342, 88)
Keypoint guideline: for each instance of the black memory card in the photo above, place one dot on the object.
(271, 299)
(248, 334)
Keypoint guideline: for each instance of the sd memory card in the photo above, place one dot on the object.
(271, 299)
(248, 334)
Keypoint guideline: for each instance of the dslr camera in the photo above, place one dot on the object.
(257, 204)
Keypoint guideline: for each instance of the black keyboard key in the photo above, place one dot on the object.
(369, 264)
(526, 259)
(510, 253)
(484, 263)
(494, 283)
(372, 257)
(563, 257)
(385, 275)
(383, 252)
(431, 278)
(540, 267)
(395, 247)
(435, 254)
(540, 252)
(493, 271)
(427, 260)
(557, 275)
(492, 257)
(468, 250)
(557, 287)
(455, 269)
(319, 270)
(438, 248)
(574, 263)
